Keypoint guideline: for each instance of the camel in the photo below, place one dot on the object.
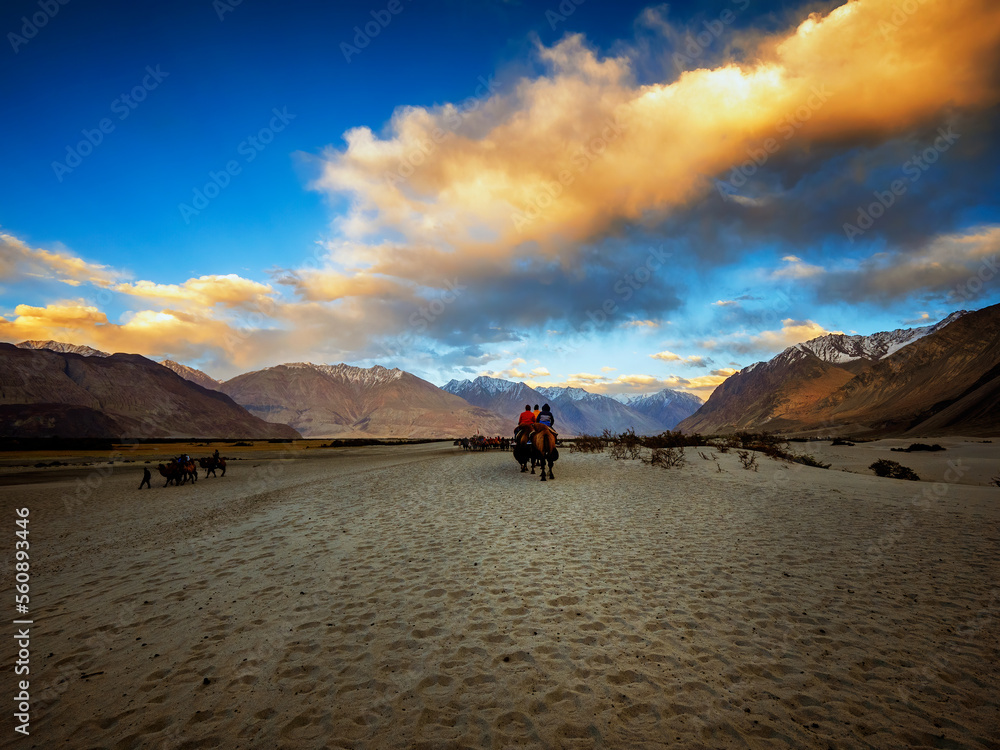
(211, 464)
(178, 473)
(544, 449)
(522, 451)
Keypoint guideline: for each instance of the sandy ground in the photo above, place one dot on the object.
(423, 597)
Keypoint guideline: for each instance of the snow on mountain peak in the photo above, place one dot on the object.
(838, 347)
(63, 348)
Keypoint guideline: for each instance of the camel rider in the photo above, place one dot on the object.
(536, 412)
(546, 417)
(524, 421)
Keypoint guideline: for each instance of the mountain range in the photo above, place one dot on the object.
(577, 411)
(47, 393)
(938, 379)
(934, 380)
(345, 401)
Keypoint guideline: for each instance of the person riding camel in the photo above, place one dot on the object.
(547, 418)
(524, 421)
(536, 412)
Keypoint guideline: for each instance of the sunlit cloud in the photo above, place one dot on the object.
(19, 261)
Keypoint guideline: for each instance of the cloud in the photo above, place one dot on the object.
(951, 267)
(640, 324)
(696, 360)
(540, 372)
(227, 290)
(796, 268)
(550, 163)
(609, 369)
(19, 261)
(792, 332)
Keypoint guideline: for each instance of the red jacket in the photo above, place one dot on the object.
(527, 417)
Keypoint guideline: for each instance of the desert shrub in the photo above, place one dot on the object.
(809, 460)
(891, 469)
(588, 444)
(918, 447)
(840, 441)
(625, 446)
(670, 439)
(748, 459)
(763, 442)
(668, 458)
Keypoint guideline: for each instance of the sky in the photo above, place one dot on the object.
(619, 196)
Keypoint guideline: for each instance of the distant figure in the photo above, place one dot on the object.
(216, 454)
(146, 476)
(546, 417)
(527, 418)
(536, 412)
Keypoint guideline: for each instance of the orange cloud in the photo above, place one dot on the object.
(227, 290)
(18, 260)
(562, 158)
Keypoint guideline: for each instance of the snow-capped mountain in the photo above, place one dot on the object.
(366, 377)
(63, 348)
(668, 407)
(194, 375)
(503, 397)
(839, 348)
(888, 382)
(577, 411)
(345, 401)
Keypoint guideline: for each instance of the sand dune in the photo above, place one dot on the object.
(421, 597)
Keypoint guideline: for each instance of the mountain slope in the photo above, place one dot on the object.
(942, 381)
(46, 393)
(344, 401)
(939, 377)
(768, 395)
(190, 373)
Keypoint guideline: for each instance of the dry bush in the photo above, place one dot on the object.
(587, 444)
(626, 446)
(892, 469)
(748, 459)
(668, 458)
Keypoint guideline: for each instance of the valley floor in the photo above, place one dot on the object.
(419, 596)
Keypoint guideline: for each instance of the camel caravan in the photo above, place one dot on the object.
(183, 468)
(484, 443)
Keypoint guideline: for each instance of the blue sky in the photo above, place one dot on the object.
(623, 196)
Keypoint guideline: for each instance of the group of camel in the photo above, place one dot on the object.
(182, 469)
(484, 443)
